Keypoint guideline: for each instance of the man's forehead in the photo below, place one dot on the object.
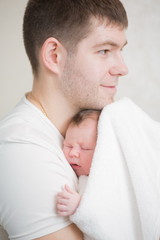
(96, 22)
(104, 33)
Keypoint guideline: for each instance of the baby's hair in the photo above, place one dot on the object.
(85, 114)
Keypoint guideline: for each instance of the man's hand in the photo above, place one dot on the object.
(67, 201)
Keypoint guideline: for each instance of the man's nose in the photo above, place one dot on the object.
(74, 152)
(119, 68)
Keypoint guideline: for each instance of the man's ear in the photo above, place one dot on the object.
(53, 55)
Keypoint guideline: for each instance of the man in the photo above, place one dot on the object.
(75, 52)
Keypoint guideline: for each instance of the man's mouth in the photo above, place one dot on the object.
(110, 88)
(102, 85)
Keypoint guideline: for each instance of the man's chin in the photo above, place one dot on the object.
(109, 101)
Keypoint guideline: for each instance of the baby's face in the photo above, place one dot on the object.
(79, 145)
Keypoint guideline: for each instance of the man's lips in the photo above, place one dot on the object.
(114, 86)
(110, 88)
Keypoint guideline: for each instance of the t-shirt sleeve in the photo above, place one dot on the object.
(30, 178)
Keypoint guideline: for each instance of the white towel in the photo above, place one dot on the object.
(122, 196)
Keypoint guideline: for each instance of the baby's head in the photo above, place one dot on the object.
(80, 140)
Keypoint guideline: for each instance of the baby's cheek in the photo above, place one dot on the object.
(66, 153)
(89, 159)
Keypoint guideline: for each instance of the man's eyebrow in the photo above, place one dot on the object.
(111, 43)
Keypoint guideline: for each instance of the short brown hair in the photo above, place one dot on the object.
(85, 114)
(66, 20)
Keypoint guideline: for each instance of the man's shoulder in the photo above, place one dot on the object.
(20, 114)
(25, 123)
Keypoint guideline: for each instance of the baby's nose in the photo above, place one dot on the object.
(74, 153)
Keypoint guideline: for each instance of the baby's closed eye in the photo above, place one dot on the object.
(86, 149)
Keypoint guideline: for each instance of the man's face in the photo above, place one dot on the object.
(79, 145)
(90, 75)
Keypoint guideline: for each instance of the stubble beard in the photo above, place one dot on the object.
(80, 91)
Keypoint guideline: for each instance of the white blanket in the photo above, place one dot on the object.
(122, 196)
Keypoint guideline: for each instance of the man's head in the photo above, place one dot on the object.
(68, 21)
(80, 141)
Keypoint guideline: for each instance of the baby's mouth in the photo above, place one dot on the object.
(75, 166)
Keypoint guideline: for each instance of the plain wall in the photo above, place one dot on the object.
(142, 56)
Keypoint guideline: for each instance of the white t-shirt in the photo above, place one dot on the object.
(33, 170)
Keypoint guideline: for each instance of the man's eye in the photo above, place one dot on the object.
(104, 51)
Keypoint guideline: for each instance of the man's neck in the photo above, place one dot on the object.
(53, 104)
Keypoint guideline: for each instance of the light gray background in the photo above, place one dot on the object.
(142, 56)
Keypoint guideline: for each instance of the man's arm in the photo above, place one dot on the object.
(70, 232)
